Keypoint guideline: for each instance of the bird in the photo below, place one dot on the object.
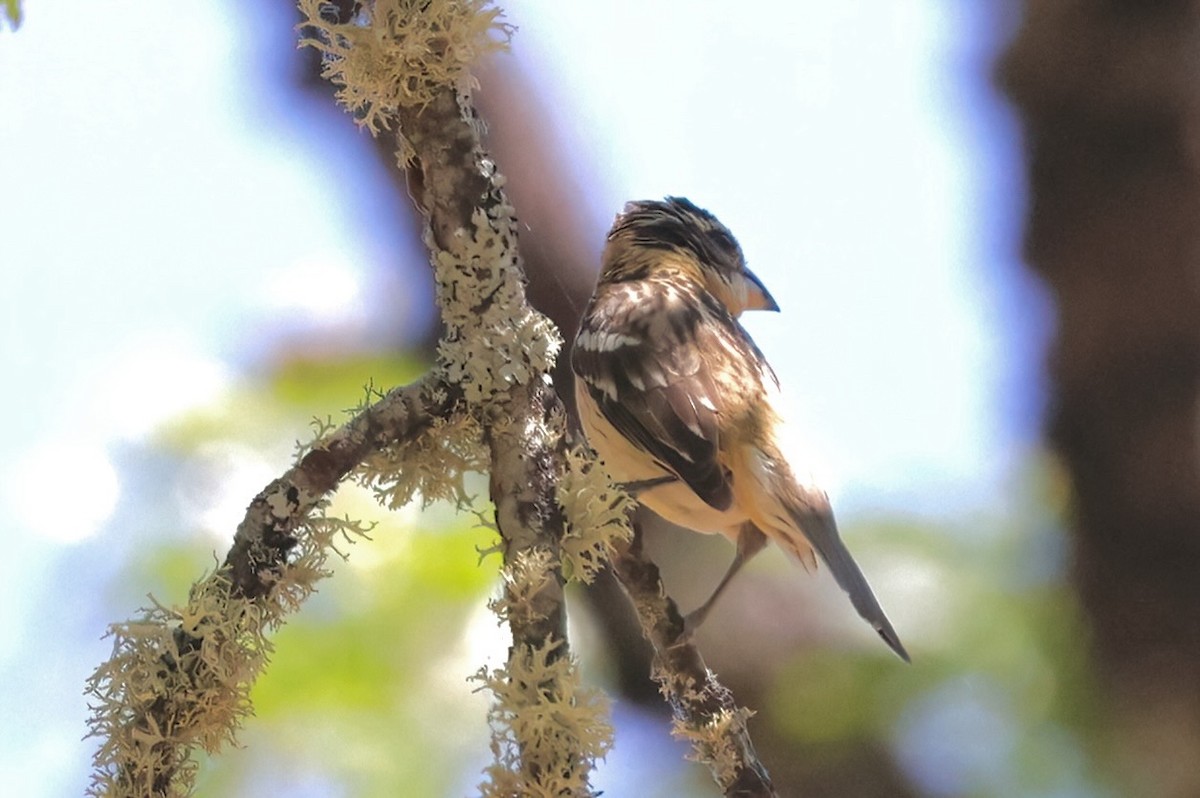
(682, 407)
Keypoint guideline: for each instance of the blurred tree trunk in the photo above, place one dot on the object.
(1109, 91)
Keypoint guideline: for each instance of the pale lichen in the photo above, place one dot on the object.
(542, 710)
(321, 429)
(525, 576)
(399, 53)
(179, 677)
(431, 466)
(493, 338)
(316, 537)
(597, 514)
(716, 743)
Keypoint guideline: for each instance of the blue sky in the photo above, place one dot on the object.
(162, 213)
(874, 183)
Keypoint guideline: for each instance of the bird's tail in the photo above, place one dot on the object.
(814, 517)
(786, 507)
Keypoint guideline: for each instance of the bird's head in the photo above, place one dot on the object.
(652, 236)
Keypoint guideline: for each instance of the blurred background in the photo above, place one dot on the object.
(202, 253)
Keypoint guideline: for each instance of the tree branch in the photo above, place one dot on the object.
(704, 709)
(503, 350)
(268, 532)
(179, 678)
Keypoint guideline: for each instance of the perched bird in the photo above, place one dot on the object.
(680, 404)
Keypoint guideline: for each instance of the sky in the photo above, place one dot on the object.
(163, 216)
(873, 181)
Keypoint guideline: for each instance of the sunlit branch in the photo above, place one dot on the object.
(179, 677)
(704, 709)
(268, 532)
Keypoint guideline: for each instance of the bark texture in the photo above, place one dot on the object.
(705, 711)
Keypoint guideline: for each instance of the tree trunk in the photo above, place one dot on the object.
(1110, 97)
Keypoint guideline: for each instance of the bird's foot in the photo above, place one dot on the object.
(641, 485)
(691, 622)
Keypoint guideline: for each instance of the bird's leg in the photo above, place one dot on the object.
(750, 542)
(641, 485)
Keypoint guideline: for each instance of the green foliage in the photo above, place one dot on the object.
(368, 686)
(264, 414)
(1008, 641)
(312, 384)
(383, 649)
(12, 9)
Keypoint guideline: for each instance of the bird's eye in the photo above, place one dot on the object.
(726, 249)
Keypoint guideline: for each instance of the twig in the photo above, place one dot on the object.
(266, 535)
(704, 709)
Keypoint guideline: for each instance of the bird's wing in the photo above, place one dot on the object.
(646, 359)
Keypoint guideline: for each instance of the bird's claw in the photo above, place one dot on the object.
(691, 622)
(642, 485)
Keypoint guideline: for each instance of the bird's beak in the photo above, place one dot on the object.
(757, 295)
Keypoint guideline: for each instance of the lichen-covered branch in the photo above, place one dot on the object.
(179, 677)
(268, 533)
(548, 730)
(704, 709)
